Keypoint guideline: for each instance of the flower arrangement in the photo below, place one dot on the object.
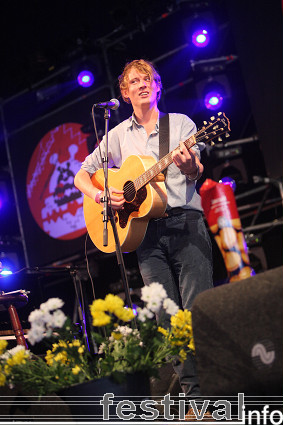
(127, 341)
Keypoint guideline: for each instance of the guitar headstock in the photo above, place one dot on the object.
(218, 125)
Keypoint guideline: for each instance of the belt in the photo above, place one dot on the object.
(179, 210)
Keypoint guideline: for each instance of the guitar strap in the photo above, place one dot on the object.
(163, 137)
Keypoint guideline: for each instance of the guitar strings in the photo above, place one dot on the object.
(163, 163)
(160, 166)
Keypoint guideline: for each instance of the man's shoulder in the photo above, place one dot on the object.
(123, 125)
(180, 118)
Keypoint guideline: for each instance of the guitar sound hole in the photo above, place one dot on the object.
(129, 191)
(130, 207)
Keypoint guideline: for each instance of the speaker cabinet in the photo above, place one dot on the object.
(238, 336)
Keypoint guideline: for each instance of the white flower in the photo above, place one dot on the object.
(101, 348)
(36, 316)
(154, 304)
(43, 322)
(36, 334)
(124, 330)
(153, 290)
(144, 313)
(51, 304)
(170, 306)
(58, 319)
(14, 350)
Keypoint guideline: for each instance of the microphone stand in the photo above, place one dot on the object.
(105, 168)
(108, 213)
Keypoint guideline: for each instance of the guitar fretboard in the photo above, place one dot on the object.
(206, 134)
(161, 165)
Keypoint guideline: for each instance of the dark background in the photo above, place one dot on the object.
(44, 44)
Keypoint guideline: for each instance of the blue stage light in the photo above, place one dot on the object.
(6, 272)
(200, 38)
(229, 181)
(213, 100)
(5, 267)
(85, 78)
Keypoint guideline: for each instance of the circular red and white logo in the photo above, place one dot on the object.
(55, 203)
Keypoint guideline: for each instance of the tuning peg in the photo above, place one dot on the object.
(205, 122)
(227, 135)
(219, 114)
(212, 118)
(212, 143)
(219, 139)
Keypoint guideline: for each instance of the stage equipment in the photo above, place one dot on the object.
(200, 38)
(11, 301)
(85, 78)
(238, 336)
(213, 91)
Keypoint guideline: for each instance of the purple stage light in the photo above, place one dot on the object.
(229, 181)
(200, 38)
(85, 78)
(213, 100)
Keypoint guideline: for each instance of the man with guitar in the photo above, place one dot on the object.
(176, 248)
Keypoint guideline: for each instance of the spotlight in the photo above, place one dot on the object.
(200, 38)
(213, 92)
(85, 78)
(213, 100)
(5, 267)
(229, 182)
(8, 263)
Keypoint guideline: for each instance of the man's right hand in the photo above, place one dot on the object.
(117, 198)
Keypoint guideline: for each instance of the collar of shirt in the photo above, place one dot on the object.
(133, 119)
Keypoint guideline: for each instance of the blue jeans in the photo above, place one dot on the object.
(176, 252)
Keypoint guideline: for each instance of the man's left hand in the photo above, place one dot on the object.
(187, 161)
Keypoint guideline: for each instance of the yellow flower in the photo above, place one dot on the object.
(7, 369)
(98, 305)
(61, 357)
(3, 345)
(117, 335)
(100, 318)
(76, 369)
(125, 314)
(49, 358)
(176, 341)
(183, 355)
(18, 358)
(192, 344)
(113, 302)
(2, 379)
(81, 350)
(182, 325)
(163, 331)
(181, 319)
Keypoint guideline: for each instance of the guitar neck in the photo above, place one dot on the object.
(160, 166)
(216, 127)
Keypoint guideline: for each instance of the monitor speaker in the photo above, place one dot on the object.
(238, 336)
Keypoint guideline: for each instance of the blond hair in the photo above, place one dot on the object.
(144, 67)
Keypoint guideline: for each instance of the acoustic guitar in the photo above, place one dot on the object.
(142, 180)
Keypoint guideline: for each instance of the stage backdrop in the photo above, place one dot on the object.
(45, 156)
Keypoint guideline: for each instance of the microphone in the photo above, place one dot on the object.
(112, 104)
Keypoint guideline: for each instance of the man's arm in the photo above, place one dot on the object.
(83, 182)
